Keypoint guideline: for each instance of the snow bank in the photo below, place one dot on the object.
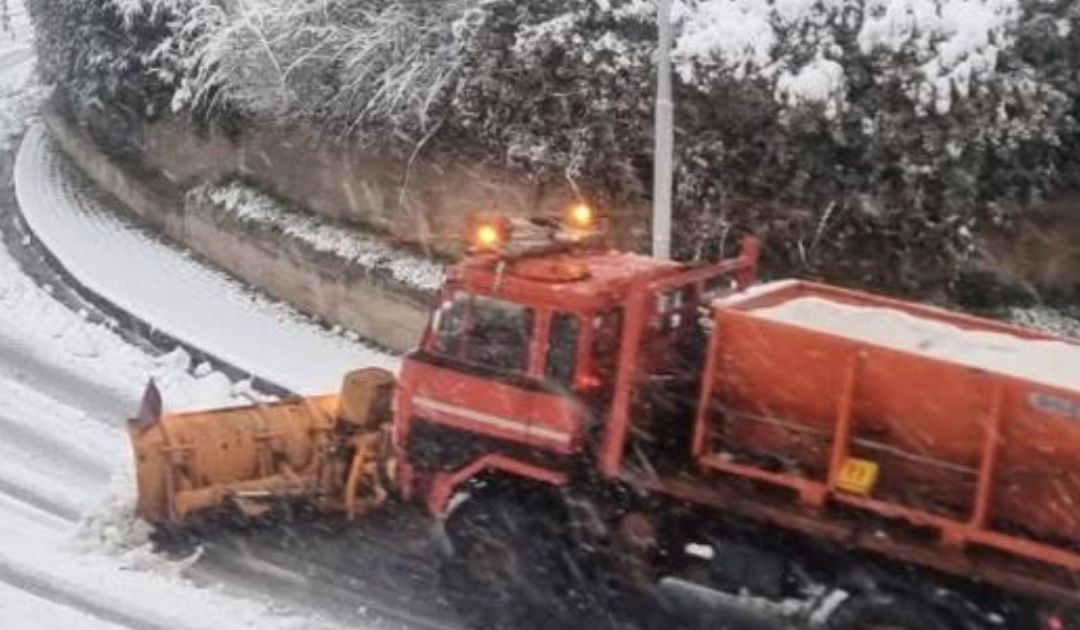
(251, 205)
(1050, 362)
(18, 94)
(170, 290)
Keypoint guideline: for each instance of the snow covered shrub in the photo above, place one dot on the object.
(892, 126)
(105, 65)
(349, 65)
(861, 137)
(563, 89)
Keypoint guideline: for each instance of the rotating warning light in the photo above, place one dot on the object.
(582, 216)
(490, 234)
(487, 237)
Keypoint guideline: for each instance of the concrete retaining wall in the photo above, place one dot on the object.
(426, 196)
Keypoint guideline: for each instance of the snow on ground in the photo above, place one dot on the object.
(254, 206)
(170, 290)
(54, 572)
(1051, 362)
(21, 610)
(32, 320)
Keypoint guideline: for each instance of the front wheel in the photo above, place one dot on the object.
(507, 566)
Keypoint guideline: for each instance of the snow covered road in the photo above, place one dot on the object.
(170, 290)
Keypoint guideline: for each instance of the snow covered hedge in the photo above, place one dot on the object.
(860, 136)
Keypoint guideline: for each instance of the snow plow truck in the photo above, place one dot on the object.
(584, 422)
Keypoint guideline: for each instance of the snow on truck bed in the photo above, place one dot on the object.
(1045, 361)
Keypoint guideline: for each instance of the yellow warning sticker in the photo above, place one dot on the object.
(858, 476)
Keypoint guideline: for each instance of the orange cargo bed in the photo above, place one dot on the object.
(909, 416)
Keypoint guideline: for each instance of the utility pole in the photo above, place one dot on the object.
(663, 157)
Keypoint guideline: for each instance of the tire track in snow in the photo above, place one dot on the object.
(15, 57)
(76, 461)
(38, 501)
(12, 575)
(43, 433)
(29, 612)
(45, 465)
(44, 588)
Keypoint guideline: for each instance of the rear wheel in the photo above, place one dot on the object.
(507, 566)
(886, 612)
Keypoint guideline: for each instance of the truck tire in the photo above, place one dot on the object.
(506, 567)
(886, 612)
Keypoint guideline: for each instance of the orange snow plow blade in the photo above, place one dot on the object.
(332, 452)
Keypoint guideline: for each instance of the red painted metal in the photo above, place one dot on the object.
(485, 406)
(742, 270)
(609, 276)
(962, 452)
(841, 442)
(990, 451)
(618, 422)
(503, 408)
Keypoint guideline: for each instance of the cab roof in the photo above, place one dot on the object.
(576, 280)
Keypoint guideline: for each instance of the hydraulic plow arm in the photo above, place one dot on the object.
(333, 452)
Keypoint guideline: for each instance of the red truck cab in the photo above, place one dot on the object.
(520, 363)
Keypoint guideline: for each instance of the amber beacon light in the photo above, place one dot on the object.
(487, 236)
(582, 216)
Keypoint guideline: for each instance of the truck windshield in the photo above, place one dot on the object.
(484, 331)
